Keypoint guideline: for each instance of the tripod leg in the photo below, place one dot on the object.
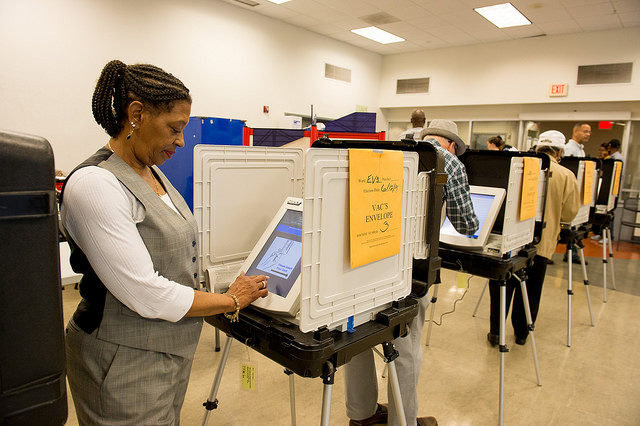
(480, 298)
(502, 347)
(328, 375)
(613, 272)
(586, 285)
(604, 265)
(434, 299)
(569, 294)
(530, 326)
(390, 354)
(292, 395)
(212, 402)
(217, 338)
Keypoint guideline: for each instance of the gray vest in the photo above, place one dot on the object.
(171, 241)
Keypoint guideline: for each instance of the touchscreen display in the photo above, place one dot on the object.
(279, 258)
(481, 205)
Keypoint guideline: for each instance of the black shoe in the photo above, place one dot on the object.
(521, 340)
(494, 339)
(381, 416)
(549, 262)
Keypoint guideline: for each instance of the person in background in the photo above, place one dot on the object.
(580, 136)
(361, 381)
(603, 151)
(562, 204)
(417, 124)
(496, 143)
(613, 148)
(131, 341)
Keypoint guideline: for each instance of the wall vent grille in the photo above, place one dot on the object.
(605, 73)
(412, 85)
(337, 73)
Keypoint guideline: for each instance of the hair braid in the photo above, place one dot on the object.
(121, 84)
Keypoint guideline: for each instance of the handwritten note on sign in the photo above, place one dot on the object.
(529, 194)
(616, 179)
(375, 204)
(587, 187)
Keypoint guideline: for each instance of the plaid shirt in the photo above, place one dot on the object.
(456, 193)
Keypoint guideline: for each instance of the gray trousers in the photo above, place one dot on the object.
(117, 385)
(361, 381)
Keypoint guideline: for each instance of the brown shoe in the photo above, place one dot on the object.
(427, 421)
(379, 417)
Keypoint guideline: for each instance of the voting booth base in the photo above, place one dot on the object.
(313, 354)
(605, 220)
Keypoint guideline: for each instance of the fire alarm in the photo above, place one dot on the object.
(265, 109)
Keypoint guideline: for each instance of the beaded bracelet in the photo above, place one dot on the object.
(234, 316)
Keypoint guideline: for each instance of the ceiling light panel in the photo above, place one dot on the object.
(503, 15)
(376, 34)
(279, 1)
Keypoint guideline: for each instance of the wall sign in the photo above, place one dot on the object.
(560, 89)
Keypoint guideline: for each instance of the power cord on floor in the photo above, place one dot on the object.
(454, 303)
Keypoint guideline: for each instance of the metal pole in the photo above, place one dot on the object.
(569, 293)
(502, 348)
(434, 299)
(530, 326)
(604, 265)
(292, 396)
(586, 285)
(212, 402)
(326, 404)
(613, 271)
(397, 398)
(480, 299)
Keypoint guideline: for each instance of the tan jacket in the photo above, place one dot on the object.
(563, 202)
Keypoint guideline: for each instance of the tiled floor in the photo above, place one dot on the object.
(595, 382)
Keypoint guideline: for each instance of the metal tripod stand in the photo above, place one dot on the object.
(606, 241)
(328, 373)
(574, 243)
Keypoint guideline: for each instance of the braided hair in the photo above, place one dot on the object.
(120, 84)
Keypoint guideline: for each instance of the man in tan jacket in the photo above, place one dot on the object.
(563, 202)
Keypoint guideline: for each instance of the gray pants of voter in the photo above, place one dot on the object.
(361, 381)
(117, 385)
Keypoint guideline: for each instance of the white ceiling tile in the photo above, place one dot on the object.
(490, 36)
(599, 9)
(351, 23)
(302, 21)
(626, 5)
(526, 6)
(547, 15)
(582, 3)
(560, 27)
(442, 7)
(326, 28)
(523, 31)
(275, 11)
(356, 8)
(630, 19)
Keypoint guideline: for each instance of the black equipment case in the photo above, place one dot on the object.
(32, 356)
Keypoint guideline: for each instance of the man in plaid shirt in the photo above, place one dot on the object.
(361, 383)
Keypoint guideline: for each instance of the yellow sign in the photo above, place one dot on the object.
(247, 377)
(529, 194)
(375, 204)
(616, 181)
(587, 190)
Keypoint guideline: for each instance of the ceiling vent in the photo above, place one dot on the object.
(337, 73)
(412, 85)
(248, 2)
(605, 73)
(379, 19)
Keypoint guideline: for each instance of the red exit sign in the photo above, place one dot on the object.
(559, 90)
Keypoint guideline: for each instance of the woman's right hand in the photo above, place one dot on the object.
(248, 288)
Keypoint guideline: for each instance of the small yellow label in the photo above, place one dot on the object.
(463, 279)
(616, 179)
(587, 190)
(529, 194)
(248, 377)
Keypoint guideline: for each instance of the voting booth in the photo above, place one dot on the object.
(32, 355)
(609, 189)
(290, 214)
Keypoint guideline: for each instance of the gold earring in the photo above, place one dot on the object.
(133, 127)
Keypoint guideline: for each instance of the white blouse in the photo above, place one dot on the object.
(101, 214)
